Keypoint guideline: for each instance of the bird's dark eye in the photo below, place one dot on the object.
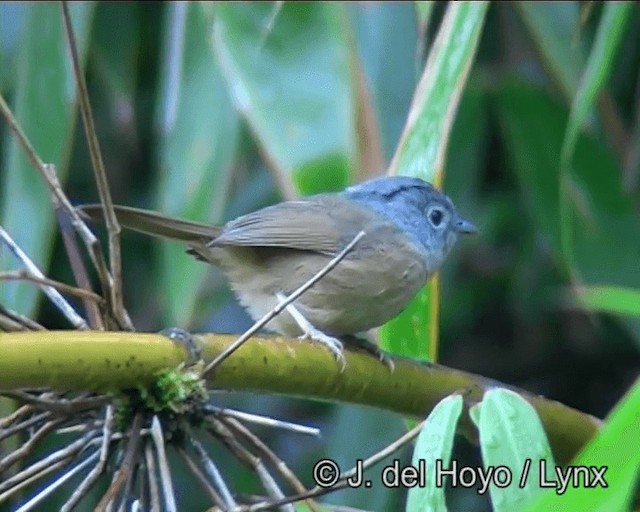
(435, 217)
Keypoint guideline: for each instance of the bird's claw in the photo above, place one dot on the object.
(334, 345)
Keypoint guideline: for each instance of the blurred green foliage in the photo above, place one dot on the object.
(210, 111)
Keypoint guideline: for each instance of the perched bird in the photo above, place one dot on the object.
(409, 228)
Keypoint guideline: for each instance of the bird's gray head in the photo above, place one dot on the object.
(425, 214)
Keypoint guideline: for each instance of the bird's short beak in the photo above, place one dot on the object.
(466, 227)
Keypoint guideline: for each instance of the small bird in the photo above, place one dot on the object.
(409, 227)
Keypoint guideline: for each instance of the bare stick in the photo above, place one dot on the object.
(24, 425)
(22, 275)
(47, 171)
(38, 475)
(261, 420)
(270, 456)
(127, 465)
(342, 482)
(154, 495)
(15, 415)
(113, 227)
(247, 458)
(43, 466)
(282, 305)
(33, 502)
(24, 321)
(59, 405)
(213, 474)
(97, 470)
(193, 467)
(165, 473)
(58, 300)
(26, 448)
(79, 268)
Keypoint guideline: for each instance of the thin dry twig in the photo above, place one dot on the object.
(281, 306)
(7, 324)
(113, 227)
(127, 466)
(48, 174)
(26, 448)
(59, 405)
(29, 150)
(13, 321)
(150, 463)
(85, 427)
(16, 415)
(342, 481)
(249, 459)
(270, 456)
(79, 268)
(11, 431)
(42, 495)
(165, 473)
(97, 470)
(54, 296)
(226, 435)
(43, 472)
(193, 467)
(213, 474)
(44, 466)
(22, 275)
(266, 421)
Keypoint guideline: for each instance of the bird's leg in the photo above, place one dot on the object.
(310, 332)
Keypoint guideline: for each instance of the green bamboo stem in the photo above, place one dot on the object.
(111, 361)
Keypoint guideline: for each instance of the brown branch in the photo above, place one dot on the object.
(113, 227)
(343, 480)
(22, 275)
(48, 174)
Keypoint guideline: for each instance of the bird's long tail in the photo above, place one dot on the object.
(155, 224)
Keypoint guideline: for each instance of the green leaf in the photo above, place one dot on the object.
(45, 107)
(198, 129)
(13, 17)
(513, 444)
(424, 10)
(385, 36)
(423, 144)
(116, 58)
(599, 66)
(434, 446)
(290, 77)
(424, 13)
(421, 153)
(533, 127)
(553, 27)
(610, 299)
(614, 448)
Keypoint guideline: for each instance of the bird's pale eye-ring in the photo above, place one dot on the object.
(436, 216)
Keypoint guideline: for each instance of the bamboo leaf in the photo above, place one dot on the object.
(199, 132)
(290, 77)
(421, 153)
(45, 106)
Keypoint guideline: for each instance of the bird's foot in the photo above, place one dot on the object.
(334, 345)
(310, 332)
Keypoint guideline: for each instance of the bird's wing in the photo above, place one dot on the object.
(324, 225)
